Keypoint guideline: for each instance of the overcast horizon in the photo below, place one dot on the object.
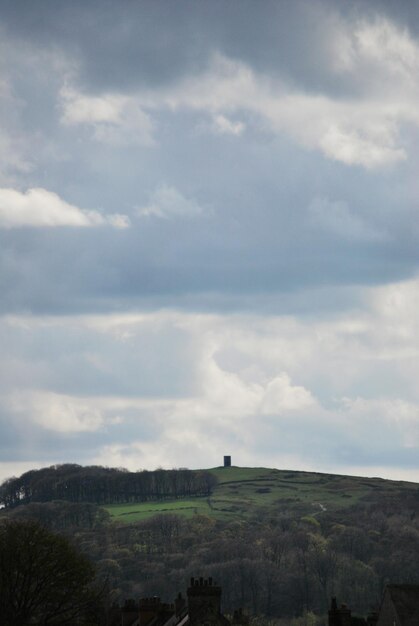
(209, 235)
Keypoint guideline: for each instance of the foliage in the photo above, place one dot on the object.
(103, 485)
(43, 579)
(270, 559)
(309, 519)
(60, 515)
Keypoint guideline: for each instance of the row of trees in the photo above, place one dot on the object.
(102, 485)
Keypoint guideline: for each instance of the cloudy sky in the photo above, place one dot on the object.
(209, 234)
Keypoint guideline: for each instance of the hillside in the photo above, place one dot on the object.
(242, 492)
(279, 542)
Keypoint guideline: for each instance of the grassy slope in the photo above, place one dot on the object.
(243, 490)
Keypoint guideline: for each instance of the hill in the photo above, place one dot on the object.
(242, 492)
(221, 493)
(279, 542)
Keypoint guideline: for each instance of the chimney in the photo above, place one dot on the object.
(204, 597)
(180, 604)
(339, 617)
(129, 610)
(149, 608)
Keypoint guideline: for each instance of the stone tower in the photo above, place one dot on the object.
(227, 461)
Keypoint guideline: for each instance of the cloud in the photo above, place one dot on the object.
(14, 155)
(40, 208)
(118, 220)
(281, 395)
(345, 85)
(270, 389)
(273, 176)
(387, 47)
(115, 119)
(394, 421)
(224, 126)
(231, 395)
(378, 59)
(365, 145)
(167, 202)
(57, 412)
(357, 131)
(15, 143)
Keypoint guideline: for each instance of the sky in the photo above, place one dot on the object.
(209, 234)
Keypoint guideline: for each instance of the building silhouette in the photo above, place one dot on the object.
(202, 607)
(399, 607)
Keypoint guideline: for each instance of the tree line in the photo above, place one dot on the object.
(103, 485)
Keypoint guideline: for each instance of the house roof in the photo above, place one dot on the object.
(405, 599)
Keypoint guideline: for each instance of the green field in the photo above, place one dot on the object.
(144, 510)
(242, 492)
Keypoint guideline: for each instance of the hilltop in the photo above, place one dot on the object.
(221, 493)
(241, 492)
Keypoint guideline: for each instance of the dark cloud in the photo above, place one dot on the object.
(127, 45)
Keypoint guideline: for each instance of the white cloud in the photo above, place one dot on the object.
(393, 421)
(118, 220)
(262, 387)
(57, 412)
(362, 145)
(79, 109)
(167, 202)
(39, 208)
(224, 126)
(114, 118)
(390, 48)
(281, 396)
(228, 394)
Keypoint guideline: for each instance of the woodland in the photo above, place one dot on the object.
(281, 563)
(102, 485)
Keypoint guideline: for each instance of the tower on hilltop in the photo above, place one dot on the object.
(227, 461)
